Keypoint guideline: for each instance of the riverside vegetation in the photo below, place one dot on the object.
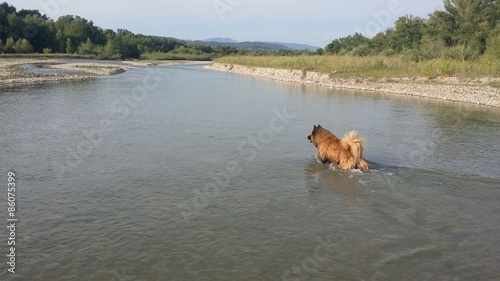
(461, 41)
(376, 66)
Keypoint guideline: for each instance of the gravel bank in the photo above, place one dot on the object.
(11, 74)
(476, 92)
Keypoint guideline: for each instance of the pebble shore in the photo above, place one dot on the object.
(452, 89)
(11, 74)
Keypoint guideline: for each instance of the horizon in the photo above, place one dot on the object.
(313, 23)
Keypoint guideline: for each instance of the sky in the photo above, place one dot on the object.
(313, 22)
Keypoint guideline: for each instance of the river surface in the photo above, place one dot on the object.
(181, 173)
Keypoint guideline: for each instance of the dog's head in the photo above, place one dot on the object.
(313, 133)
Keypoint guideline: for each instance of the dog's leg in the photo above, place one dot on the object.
(321, 155)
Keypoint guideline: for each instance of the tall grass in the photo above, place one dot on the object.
(374, 66)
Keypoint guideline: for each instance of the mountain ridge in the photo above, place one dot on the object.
(257, 45)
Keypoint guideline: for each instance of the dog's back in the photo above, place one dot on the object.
(347, 152)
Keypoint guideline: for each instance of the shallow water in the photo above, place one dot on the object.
(40, 69)
(180, 173)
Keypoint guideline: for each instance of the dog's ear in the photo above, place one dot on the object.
(319, 126)
(314, 127)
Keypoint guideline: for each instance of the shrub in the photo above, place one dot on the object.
(379, 64)
(493, 43)
(23, 46)
(361, 50)
(9, 45)
(389, 52)
(428, 69)
(446, 68)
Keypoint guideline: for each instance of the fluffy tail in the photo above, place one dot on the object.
(356, 144)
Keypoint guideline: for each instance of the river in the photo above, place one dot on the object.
(181, 173)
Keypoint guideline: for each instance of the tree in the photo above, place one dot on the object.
(9, 45)
(473, 20)
(24, 13)
(86, 48)
(23, 46)
(127, 44)
(442, 26)
(69, 46)
(347, 43)
(408, 33)
(38, 31)
(379, 42)
(110, 50)
(7, 9)
(78, 30)
(492, 49)
(15, 25)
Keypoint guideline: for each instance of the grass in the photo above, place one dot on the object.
(373, 66)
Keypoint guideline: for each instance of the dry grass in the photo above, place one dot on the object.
(373, 66)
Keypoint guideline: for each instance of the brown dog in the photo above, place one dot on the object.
(347, 152)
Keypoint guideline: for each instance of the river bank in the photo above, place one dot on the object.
(12, 73)
(476, 91)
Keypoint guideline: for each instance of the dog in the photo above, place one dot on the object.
(346, 153)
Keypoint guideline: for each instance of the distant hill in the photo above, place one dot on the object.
(220, 40)
(254, 46)
(296, 46)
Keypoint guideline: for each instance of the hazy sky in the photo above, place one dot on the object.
(314, 22)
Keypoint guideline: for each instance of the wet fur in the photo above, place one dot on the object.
(346, 153)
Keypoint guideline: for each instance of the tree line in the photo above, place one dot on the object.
(465, 30)
(28, 31)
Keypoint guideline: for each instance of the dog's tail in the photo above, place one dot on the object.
(356, 144)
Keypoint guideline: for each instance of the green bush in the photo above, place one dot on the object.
(493, 44)
(428, 69)
(23, 46)
(379, 64)
(446, 68)
(389, 52)
(9, 45)
(361, 50)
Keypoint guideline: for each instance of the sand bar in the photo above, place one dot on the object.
(12, 74)
(476, 91)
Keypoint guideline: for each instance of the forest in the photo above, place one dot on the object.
(28, 31)
(464, 30)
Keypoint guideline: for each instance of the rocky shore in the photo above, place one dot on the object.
(11, 72)
(452, 89)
